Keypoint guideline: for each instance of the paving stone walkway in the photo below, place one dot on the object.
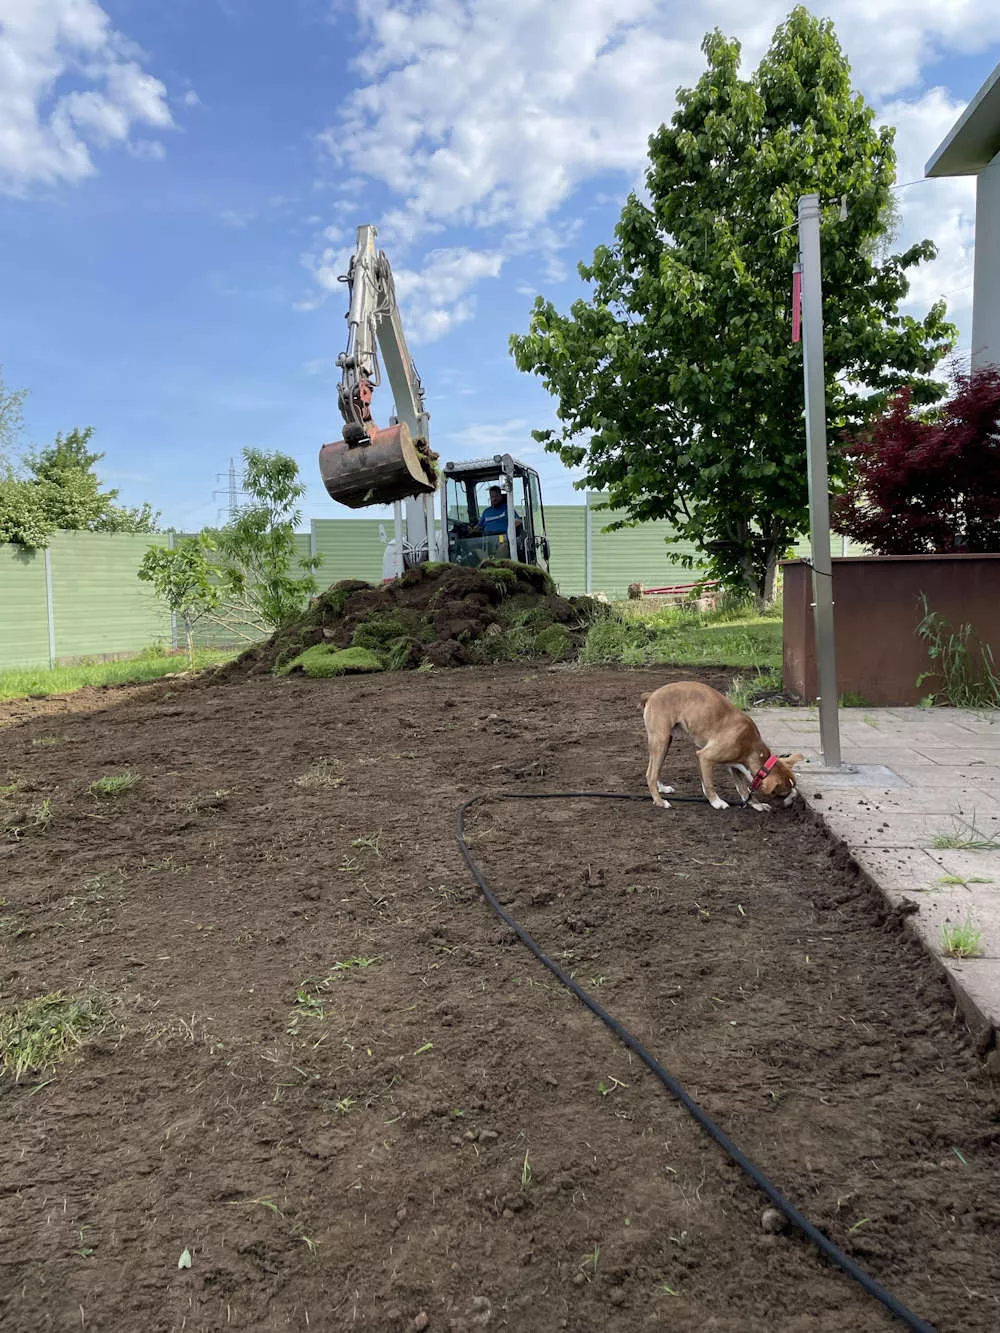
(919, 808)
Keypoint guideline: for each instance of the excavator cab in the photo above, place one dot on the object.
(473, 527)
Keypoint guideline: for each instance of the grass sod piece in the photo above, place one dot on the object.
(113, 784)
(38, 1034)
(321, 661)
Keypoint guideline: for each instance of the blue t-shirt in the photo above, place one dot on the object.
(494, 519)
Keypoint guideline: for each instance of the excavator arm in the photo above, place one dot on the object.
(369, 466)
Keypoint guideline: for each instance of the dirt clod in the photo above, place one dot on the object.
(773, 1221)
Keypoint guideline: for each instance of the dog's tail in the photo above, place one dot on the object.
(644, 699)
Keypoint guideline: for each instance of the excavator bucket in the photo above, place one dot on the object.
(381, 468)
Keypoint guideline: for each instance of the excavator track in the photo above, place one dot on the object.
(379, 468)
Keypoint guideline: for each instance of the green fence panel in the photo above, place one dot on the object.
(350, 548)
(566, 529)
(99, 606)
(24, 622)
(634, 555)
(839, 546)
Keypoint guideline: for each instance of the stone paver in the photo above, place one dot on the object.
(943, 784)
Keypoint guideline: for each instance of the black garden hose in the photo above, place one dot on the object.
(675, 1088)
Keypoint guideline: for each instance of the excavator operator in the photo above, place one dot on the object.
(493, 519)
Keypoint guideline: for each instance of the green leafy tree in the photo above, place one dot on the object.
(184, 579)
(264, 579)
(59, 489)
(679, 390)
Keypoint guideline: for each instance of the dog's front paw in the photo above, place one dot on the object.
(662, 787)
(757, 805)
(718, 803)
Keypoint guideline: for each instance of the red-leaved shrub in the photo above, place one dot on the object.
(928, 485)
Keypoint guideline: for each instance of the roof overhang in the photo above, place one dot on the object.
(482, 469)
(974, 139)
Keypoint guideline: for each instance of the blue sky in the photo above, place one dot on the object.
(180, 183)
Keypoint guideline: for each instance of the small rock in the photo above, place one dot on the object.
(616, 1296)
(507, 1212)
(421, 1321)
(471, 1135)
(578, 1279)
(401, 1212)
(488, 1135)
(480, 1302)
(772, 1221)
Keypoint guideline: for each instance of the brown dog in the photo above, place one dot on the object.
(723, 735)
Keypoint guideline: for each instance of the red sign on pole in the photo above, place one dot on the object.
(796, 302)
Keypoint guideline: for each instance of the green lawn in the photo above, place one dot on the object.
(59, 680)
(738, 636)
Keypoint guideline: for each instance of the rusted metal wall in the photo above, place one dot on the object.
(877, 607)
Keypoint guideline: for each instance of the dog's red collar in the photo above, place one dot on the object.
(763, 771)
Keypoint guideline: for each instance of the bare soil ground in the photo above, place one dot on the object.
(443, 1138)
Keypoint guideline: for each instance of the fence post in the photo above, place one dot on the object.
(587, 545)
(50, 609)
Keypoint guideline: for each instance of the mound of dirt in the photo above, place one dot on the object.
(436, 614)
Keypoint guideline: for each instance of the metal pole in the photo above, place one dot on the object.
(819, 486)
(397, 513)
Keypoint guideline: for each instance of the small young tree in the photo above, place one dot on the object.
(263, 577)
(183, 578)
(928, 483)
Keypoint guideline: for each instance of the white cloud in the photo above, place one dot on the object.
(433, 298)
(46, 136)
(494, 436)
(487, 115)
(147, 150)
(942, 209)
(230, 217)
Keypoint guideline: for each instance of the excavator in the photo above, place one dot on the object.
(396, 466)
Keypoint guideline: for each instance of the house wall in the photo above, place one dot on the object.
(986, 291)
